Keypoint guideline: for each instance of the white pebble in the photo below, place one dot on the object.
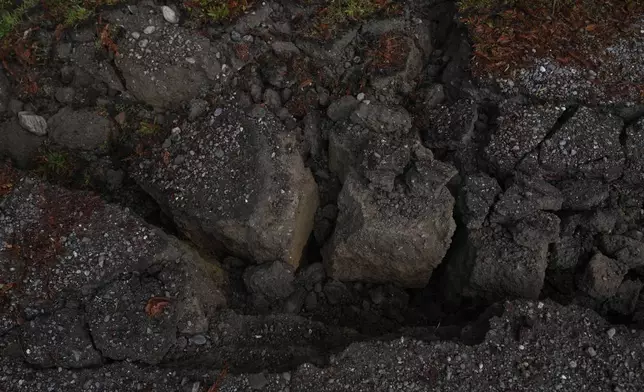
(149, 30)
(360, 96)
(169, 15)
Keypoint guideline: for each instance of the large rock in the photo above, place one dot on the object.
(19, 144)
(80, 129)
(389, 237)
(167, 66)
(450, 127)
(521, 129)
(236, 182)
(93, 269)
(379, 158)
(602, 277)
(492, 265)
(587, 145)
(477, 195)
(525, 197)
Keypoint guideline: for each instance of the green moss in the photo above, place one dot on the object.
(11, 16)
(54, 163)
(147, 129)
(216, 10)
(76, 14)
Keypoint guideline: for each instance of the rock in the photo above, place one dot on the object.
(342, 108)
(20, 145)
(295, 302)
(311, 301)
(273, 281)
(257, 381)
(336, 292)
(15, 106)
(602, 277)
(381, 239)
(169, 14)
(628, 251)
(492, 266)
(379, 158)
(169, 67)
(33, 123)
(197, 108)
(272, 99)
(525, 197)
(150, 29)
(521, 129)
(311, 275)
(537, 229)
(5, 91)
(261, 200)
(80, 129)
(134, 283)
(583, 194)
(285, 49)
(625, 299)
(59, 340)
(634, 170)
(65, 95)
(382, 119)
(476, 197)
(586, 145)
(198, 340)
(450, 127)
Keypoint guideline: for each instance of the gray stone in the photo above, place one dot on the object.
(80, 129)
(336, 292)
(476, 197)
(525, 197)
(15, 106)
(493, 266)
(257, 381)
(535, 230)
(65, 95)
(261, 200)
(285, 49)
(294, 303)
(59, 340)
(169, 14)
(20, 145)
(197, 108)
(33, 123)
(602, 277)
(583, 194)
(450, 127)
(105, 255)
(311, 275)
(342, 108)
(521, 129)
(311, 301)
(628, 251)
(273, 281)
(380, 239)
(382, 119)
(198, 340)
(626, 298)
(272, 99)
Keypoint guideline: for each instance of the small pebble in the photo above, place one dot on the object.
(591, 351)
(199, 340)
(360, 97)
(611, 333)
(169, 15)
(149, 30)
(136, 35)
